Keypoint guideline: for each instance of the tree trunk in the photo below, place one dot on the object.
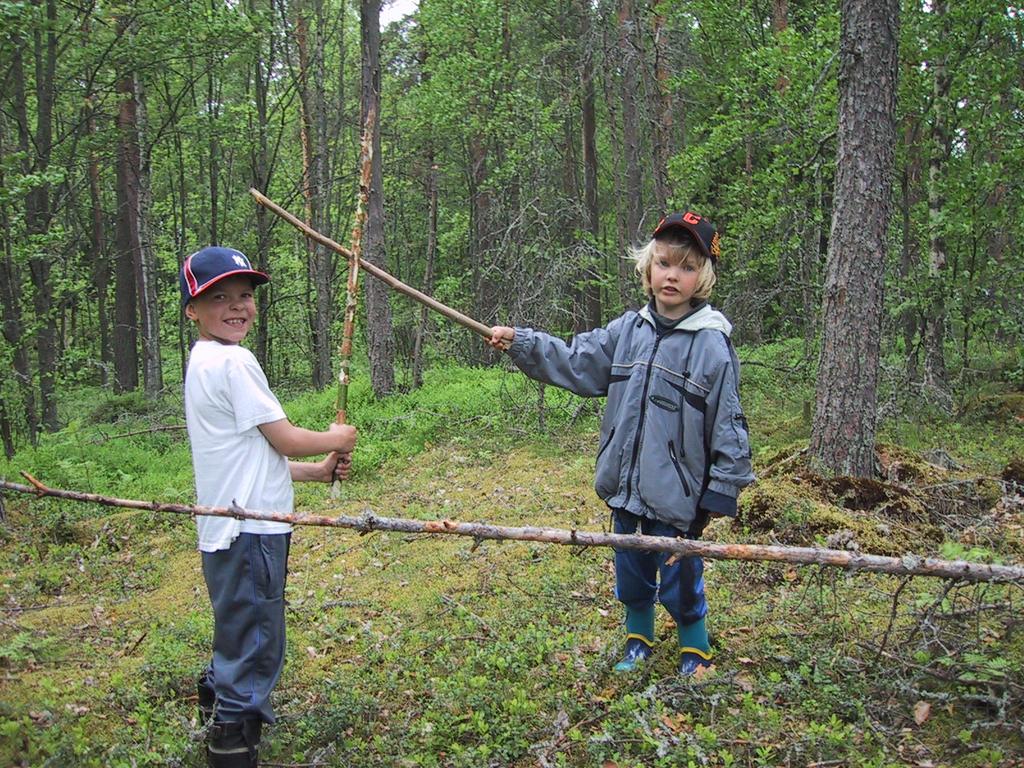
(663, 127)
(629, 55)
(780, 22)
(259, 163)
(38, 214)
(145, 267)
(592, 286)
(935, 308)
(13, 327)
(381, 346)
(843, 435)
(213, 104)
(13, 332)
(98, 252)
(320, 263)
(126, 285)
(910, 183)
(428, 278)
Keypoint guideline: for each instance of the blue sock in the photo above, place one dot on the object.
(641, 623)
(694, 636)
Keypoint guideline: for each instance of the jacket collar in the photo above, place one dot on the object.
(698, 320)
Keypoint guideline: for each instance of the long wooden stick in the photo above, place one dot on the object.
(352, 287)
(373, 269)
(907, 565)
(352, 284)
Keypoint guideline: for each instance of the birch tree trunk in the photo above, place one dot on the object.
(843, 436)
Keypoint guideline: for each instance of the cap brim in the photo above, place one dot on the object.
(258, 278)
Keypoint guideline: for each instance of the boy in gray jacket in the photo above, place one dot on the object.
(674, 448)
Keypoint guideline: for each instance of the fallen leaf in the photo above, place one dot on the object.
(703, 672)
(609, 764)
(922, 711)
(674, 723)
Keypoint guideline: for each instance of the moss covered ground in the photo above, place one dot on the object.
(412, 650)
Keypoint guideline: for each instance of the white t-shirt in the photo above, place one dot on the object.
(226, 399)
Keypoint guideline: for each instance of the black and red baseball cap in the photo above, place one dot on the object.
(210, 265)
(703, 231)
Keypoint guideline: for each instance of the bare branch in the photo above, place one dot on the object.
(907, 565)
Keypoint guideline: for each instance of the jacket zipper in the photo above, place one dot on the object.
(641, 421)
(679, 469)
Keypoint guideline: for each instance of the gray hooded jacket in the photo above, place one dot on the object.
(674, 441)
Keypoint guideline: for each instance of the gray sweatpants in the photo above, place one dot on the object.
(246, 587)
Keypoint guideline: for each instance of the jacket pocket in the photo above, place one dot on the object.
(606, 444)
(607, 467)
(678, 466)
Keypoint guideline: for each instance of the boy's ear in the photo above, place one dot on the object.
(190, 311)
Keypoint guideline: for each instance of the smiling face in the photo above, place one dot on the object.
(673, 281)
(225, 311)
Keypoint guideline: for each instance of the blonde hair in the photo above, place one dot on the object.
(680, 247)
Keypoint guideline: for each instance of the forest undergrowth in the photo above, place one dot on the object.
(412, 650)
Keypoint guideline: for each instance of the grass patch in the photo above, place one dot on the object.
(440, 651)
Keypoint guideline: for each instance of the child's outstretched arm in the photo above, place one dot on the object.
(582, 366)
(292, 441)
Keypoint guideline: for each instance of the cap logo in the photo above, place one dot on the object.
(691, 218)
(240, 261)
(716, 249)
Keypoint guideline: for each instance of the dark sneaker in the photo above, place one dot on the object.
(692, 661)
(638, 649)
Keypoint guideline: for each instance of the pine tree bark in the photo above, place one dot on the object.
(843, 435)
(663, 128)
(592, 286)
(380, 343)
(629, 56)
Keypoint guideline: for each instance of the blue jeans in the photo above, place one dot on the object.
(681, 588)
(246, 586)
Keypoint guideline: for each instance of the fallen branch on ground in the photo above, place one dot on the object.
(908, 565)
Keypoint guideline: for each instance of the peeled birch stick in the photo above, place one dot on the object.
(907, 565)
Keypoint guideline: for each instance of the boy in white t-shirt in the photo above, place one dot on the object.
(240, 439)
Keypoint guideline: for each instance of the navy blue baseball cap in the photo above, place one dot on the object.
(212, 264)
(703, 231)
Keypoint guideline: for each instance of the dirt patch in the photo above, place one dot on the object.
(1013, 472)
(857, 493)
